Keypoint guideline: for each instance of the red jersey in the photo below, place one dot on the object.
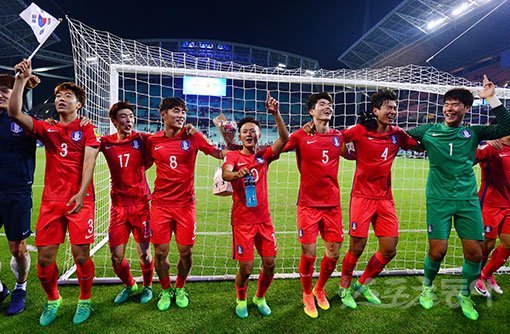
(495, 187)
(127, 160)
(317, 159)
(375, 153)
(257, 164)
(175, 166)
(65, 148)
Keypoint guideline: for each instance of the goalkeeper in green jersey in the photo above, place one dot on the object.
(451, 187)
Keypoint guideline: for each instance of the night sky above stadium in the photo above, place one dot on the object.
(318, 29)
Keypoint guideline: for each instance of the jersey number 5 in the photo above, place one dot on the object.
(325, 157)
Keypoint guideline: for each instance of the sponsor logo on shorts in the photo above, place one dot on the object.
(336, 141)
(260, 160)
(354, 226)
(76, 135)
(465, 133)
(185, 145)
(301, 233)
(89, 236)
(429, 228)
(240, 250)
(136, 144)
(488, 229)
(393, 139)
(15, 128)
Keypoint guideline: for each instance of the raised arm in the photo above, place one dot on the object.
(89, 161)
(16, 101)
(283, 133)
(502, 128)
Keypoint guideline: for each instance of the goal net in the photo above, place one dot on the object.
(112, 69)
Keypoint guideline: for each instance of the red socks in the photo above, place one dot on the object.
(263, 283)
(124, 272)
(241, 291)
(374, 267)
(180, 281)
(306, 267)
(48, 276)
(497, 259)
(85, 273)
(328, 266)
(165, 282)
(348, 264)
(147, 273)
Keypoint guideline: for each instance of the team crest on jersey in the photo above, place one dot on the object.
(393, 139)
(488, 229)
(260, 160)
(465, 133)
(15, 128)
(185, 145)
(136, 144)
(354, 226)
(77, 135)
(336, 141)
(240, 250)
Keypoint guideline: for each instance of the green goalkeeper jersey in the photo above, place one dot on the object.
(451, 153)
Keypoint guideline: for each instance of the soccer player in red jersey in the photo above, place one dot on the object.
(494, 197)
(125, 154)
(174, 152)
(377, 142)
(251, 223)
(68, 196)
(318, 208)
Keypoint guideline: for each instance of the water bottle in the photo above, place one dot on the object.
(251, 192)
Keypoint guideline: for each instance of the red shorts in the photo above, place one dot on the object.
(180, 221)
(495, 221)
(326, 220)
(126, 219)
(54, 221)
(381, 212)
(246, 236)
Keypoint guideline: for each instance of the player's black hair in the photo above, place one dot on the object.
(114, 110)
(78, 91)
(247, 120)
(172, 102)
(312, 99)
(459, 94)
(7, 80)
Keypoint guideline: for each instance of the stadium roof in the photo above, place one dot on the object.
(417, 29)
(236, 52)
(17, 39)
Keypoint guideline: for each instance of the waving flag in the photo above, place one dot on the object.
(42, 23)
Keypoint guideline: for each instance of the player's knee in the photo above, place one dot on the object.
(116, 260)
(186, 252)
(145, 257)
(269, 265)
(80, 259)
(389, 254)
(245, 271)
(437, 254)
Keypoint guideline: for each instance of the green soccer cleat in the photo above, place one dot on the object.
(181, 297)
(262, 305)
(427, 297)
(165, 299)
(50, 311)
(146, 295)
(467, 306)
(83, 310)
(242, 309)
(125, 293)
(346, 297)
(366, 292)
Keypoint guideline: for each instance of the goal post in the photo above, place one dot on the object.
(112, 69)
